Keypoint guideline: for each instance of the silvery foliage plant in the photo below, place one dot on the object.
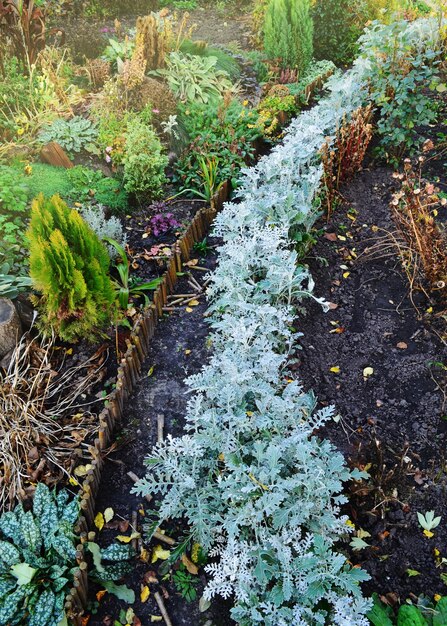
(259, 489)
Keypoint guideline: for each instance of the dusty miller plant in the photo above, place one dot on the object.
(258, 488)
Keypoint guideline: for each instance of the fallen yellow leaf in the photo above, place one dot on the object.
(73, 482)
(429, 534)
(346, 274)
(128, 539)
(100, 595)
(335, 369)
(99, 521)
(190, 566)
(156, 618)
(160, 553)
(145, 593)
(193, 303)
(82, 470)
(144, 555)
(368, 371)
(109, 514)
(188, 309)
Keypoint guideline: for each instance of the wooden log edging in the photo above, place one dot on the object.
(128, 375)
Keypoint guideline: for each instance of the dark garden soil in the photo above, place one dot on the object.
(150, 253)
(87, 37)
(178, 349)
(391, 420)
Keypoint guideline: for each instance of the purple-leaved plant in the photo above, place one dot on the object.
(161, 222)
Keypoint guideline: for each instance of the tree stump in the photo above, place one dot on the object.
(53, 154)
(10, 326)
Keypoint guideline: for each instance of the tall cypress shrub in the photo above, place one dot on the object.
(288, 33)
(69, 266)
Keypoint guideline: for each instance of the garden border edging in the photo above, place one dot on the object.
(127, 377)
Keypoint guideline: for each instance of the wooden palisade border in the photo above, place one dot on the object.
(128, 375)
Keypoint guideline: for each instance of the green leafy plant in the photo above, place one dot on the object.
(37, 557)
(72, 135)
(185, 583)
(402, 71)
(87, 184)
(195, 78)
(110, 565)
(183, 5)
(127, 286)
(15, 95)
(144, 161)
(423, 614)
(225, 62)
(428, 522)
(209, 173)
(118, 51)
(275, 109)
(69, 266)
(316, 71)
(10, 284)
(288, 33)
(336, 30)
(226, 133)
(13, 213)
(202, 247)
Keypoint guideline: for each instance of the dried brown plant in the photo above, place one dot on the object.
(42, 423)
(344, 156)
(415, 208)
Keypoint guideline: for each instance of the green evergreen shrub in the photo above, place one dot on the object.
(288, 33)
(144, 161)
(69, 265)
(336, 30)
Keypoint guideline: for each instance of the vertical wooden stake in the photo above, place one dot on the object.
(160, 427)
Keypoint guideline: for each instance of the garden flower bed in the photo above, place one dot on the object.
(255, 508)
